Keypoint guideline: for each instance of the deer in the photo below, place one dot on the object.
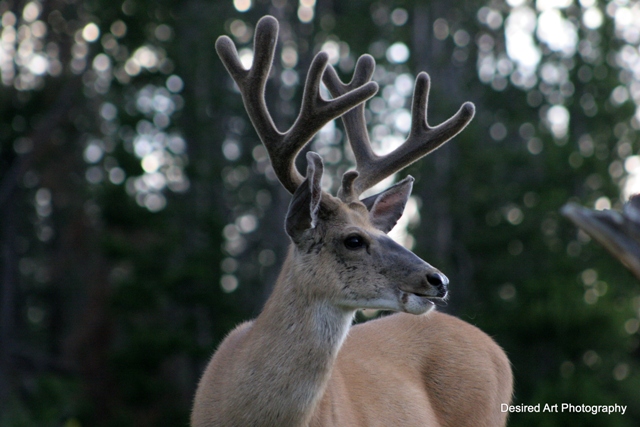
(301, 362)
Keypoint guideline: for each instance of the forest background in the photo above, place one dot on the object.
(140, 219)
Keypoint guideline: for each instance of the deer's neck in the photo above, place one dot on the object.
(293, 345)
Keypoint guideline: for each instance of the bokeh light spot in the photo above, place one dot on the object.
(91, 32)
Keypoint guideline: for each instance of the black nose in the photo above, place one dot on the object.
(438, 280)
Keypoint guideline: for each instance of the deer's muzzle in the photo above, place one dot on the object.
(412, 274)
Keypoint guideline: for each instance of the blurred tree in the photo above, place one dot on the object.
(107, 247)
(140, 219)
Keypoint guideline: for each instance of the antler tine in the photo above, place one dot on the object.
(422, 138)
(354, 120)
(315, 112)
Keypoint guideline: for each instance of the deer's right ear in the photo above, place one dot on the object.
(305, 204)
(387, 207)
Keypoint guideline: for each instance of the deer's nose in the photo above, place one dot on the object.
(438, 281)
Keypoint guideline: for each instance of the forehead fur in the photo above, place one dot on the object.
(354, 213)
(359, 207)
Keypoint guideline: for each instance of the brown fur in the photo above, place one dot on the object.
(429, 370)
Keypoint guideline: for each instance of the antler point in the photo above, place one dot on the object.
(312, 156)
(269, 22)
(468, 110)
(347, 192)
(322, 56)
(224, 42)
(370, 89)
(367, 60)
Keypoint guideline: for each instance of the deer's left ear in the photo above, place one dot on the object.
(386, 208)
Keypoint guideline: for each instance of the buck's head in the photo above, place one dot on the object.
(342, 241)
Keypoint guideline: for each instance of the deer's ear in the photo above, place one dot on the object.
(305, 204)
(386, 208)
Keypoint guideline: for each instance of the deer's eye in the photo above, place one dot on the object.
(354, 242)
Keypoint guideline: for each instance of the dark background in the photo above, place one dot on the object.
(139, 222)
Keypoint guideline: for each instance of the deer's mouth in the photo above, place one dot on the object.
(428, 295)
(425, 296)
(417, 302)
(421, 301)
(429, 300)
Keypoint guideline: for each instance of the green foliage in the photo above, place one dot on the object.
(53, 402)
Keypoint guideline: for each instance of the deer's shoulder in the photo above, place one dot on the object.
(234, 339)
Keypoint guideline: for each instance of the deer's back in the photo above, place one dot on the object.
(433, 370)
